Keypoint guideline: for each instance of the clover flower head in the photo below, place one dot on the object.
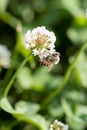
(57, 125)
(40, 41)
(5, 56)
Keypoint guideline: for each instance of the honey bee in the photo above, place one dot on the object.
(51, 60)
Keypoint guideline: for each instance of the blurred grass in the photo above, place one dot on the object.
(33, 83)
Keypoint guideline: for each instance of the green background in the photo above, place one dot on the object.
(38, 97)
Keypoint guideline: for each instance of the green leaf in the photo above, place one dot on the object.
(76, 96)
(30, 116)
(55, 111)
(81, 70)
(6, 106)
(74, 119)
(72, 6)
(75, 122)
(28, 108)
(24, 78)
(66, 107)
(5, 128)
(77, 35)
(37, 120)
(40, 78)
(3, 4)
(81, 111)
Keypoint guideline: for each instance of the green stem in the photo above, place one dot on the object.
(9, 19)
(66, 77)
(14, 76)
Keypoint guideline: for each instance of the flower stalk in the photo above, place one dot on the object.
(65, 80)
(14, 76)
(40, 42)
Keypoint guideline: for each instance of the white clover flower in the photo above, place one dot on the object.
(5, 56)
(40, 41)
(35, 52)
(57, 125)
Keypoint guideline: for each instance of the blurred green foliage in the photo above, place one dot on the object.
(37, 96)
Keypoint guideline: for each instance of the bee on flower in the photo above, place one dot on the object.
(41, 42)
(51, 60)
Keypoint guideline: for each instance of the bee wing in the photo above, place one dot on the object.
(50, 67)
